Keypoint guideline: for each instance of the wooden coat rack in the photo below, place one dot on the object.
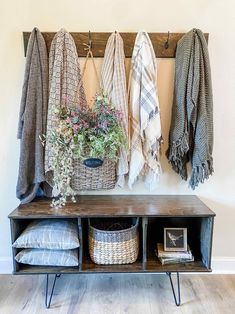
(160, 42)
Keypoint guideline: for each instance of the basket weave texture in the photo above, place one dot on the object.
(119, 246)
(100, 178)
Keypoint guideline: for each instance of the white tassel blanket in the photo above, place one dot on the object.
(146, 135)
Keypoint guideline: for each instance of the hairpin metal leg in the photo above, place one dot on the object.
(177, 299)
(48, 303)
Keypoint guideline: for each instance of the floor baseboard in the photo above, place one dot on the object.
(220, 265)
(223, 265)
(5, 265)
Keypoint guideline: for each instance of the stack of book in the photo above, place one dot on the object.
(169, 257)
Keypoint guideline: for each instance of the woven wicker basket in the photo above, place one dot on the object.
(100, 178)
(120, 246)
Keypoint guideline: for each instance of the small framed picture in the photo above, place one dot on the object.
(175, 239)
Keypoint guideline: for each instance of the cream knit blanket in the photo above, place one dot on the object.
(113, 77)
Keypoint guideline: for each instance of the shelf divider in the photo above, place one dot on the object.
(144, 240)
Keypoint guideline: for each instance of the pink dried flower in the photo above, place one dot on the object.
(119, 115)
(76, 128)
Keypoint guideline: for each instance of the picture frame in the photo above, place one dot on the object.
(175, 239)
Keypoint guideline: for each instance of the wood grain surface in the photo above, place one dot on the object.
(118, 294)
(117, 205)
(99, 41)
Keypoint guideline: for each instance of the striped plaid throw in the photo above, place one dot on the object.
(191, 134)
(145, 114)
(113, 80)
(64, 78)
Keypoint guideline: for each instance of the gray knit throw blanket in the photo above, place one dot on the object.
(191, 133)
(32, 118)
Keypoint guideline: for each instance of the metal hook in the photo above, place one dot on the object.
(88, 46)
(90, 41)
(166, 45)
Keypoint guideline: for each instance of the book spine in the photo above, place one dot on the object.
(175, 261)
(175, 255)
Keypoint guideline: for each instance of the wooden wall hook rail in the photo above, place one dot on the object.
(99, 41)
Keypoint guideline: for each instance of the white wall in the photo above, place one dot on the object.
(214, 16)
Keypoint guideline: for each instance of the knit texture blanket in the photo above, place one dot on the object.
(64, 79)
(32, 118)
(113, 81)
(145, 114)
(191, 133)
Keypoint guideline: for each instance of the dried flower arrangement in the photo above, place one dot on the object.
(83, 133)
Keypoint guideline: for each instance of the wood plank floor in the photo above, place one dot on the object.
(117, 294)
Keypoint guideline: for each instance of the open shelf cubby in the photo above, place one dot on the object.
(88, 266)
(199, 230)
(17, 227)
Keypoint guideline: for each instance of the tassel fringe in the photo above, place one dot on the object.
(177, 155)
(201, 172)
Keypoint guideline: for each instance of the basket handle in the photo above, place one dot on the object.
(137, 221)
(89, 54)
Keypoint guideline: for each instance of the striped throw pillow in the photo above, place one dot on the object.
(57, 234)
(41, 257)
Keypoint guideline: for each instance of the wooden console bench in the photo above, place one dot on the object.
(155, 213)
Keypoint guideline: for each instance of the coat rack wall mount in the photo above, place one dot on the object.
(164, 44)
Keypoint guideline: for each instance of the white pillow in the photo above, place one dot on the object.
(57, 234)
(41, 257)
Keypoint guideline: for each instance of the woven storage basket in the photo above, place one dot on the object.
(100, 178)
(119, 246)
